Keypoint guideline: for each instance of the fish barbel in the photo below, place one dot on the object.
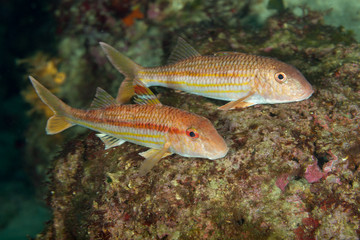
(165, 130)
(242, 79)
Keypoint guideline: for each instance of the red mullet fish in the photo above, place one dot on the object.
(165, 130)
(242, 79)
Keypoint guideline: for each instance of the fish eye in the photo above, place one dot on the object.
(191, 132)
(280, 77)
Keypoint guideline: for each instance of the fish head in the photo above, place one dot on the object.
(197, 137)
(284, 83)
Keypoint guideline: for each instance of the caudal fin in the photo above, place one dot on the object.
(127, 67)
(59, 122)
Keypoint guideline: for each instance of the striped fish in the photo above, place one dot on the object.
(165, 130)
(242, 79)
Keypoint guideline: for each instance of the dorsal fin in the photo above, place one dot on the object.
(102, 99)
(143, 95)
(182, 51)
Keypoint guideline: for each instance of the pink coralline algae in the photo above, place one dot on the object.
(313, 173)
(282, 181)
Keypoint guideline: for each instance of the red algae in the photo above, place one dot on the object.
(282, 181)
(313, 173)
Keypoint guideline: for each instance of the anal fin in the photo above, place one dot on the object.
(110, 141)
(238, 103)
(153, 156)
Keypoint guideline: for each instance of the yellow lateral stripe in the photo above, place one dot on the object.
(104, 130)
(144, 141)
(220, 91)
(195, 84)
(139, 134)
(198, 74)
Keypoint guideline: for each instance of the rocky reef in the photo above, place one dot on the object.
(292, 171)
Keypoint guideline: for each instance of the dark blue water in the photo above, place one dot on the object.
(25, 27)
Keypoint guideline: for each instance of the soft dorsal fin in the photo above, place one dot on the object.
(102, 99)
(143, 95)
(182, 51)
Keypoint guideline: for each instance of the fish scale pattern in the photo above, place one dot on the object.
(228, 77)
(146, 125)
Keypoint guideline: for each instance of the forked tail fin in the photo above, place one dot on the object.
(127, 67)
(60, 121)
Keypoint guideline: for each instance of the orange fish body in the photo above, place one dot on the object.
(165, 130)
(243, 79)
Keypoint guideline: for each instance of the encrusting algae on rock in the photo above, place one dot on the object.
(242, 79)
(165, 130)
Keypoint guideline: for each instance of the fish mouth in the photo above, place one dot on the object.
(218, 155)
(307, 93)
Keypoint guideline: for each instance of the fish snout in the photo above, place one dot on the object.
(307, 91)
(218, 149)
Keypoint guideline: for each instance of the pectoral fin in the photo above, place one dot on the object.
(238, 103)
(151, 152)
(152, 156)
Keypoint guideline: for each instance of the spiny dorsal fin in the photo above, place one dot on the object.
(110, 141)
(143, 95)
(182, 51)
(102, 99)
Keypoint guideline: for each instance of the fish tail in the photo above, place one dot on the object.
(125, 66)
(60, 120)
